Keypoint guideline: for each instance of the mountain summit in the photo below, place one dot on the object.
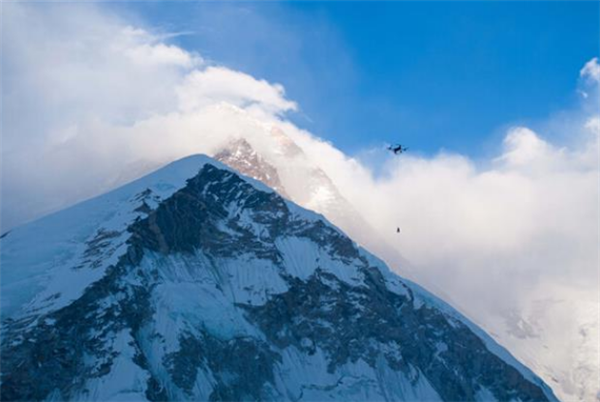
(197, 283)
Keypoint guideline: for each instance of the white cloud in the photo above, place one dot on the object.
(90, 102)
(218, 84)
(161, 54)
(523, 147)
(591, 70)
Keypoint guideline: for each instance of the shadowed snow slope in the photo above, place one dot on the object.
(196, 283)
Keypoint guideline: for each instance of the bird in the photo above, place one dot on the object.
(397, 230)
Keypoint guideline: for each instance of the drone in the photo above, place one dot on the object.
(397, 149)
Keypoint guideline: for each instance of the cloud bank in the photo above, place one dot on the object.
(91, 101)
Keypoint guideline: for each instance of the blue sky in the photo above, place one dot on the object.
(435, 76)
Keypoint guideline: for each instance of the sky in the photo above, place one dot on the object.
(499, 104)
(416, 69)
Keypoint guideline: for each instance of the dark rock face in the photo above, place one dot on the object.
(241, 365)
(197, 217)
(351, 323)
(219, 216)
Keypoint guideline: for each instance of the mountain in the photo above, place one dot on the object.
(197, 283)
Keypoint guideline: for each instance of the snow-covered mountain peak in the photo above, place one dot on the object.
(197, 283)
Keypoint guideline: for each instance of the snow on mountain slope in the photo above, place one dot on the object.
(194, 283)
(81, 241)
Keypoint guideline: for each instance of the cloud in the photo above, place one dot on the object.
(91, 101)
(591, 70)
(218, 84)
